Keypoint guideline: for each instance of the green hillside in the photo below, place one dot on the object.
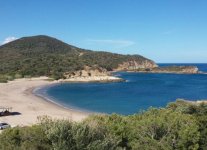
(44, 55)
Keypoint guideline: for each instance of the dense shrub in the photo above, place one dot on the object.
(154, 129)
(180, 126)
(25, 138)
(66, 135)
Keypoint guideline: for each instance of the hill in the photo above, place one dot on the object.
(44, 55)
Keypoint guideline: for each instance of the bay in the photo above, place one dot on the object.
(139, 92)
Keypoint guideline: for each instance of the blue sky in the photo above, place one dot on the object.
(163, 30)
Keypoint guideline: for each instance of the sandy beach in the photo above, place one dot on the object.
(18, 95)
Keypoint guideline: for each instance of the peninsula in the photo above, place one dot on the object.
(46, 56)
(42, 55)
(171, 69)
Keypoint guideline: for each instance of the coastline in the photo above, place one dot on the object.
(27, 106)
(45, 97)
(167, 72)
(93, 79)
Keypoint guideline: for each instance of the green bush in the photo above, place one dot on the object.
(155, 129)
(17, 76)
(180, 126)
(9, 77)
(66, 135)
(3, 79)
(24, 138)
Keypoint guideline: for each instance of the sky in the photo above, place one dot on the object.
(166, 31)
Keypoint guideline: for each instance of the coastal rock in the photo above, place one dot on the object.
(135, 65)
(90, 74)
(176, 69)
(190, 69)
(87, 72)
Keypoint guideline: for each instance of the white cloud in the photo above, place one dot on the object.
(9, 39)
(117, 43)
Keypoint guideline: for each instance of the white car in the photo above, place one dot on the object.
(4, 126)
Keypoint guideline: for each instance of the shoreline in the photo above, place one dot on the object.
(52, 101)
(27, 106)
(155, 72)
(101, 79)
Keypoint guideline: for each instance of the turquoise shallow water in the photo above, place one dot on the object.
(139, 92)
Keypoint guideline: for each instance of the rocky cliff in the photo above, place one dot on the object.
(135, 65)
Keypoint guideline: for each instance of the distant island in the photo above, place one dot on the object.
(46, 56)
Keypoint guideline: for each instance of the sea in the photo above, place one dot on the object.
(139, 92)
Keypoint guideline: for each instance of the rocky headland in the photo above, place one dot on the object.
(152, 67)
(46, 56)
(172, 69)
(136, 65)
(99, 74)
(90, 74)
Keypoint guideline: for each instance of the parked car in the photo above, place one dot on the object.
(4, 126)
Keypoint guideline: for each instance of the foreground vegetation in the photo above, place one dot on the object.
(181, 126)
(46, 56)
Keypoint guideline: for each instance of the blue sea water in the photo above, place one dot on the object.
(139, 92)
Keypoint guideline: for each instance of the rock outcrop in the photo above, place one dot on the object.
(87, 72)
(135, 65)
(90, 74)
(190, 69)
(173, 69)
